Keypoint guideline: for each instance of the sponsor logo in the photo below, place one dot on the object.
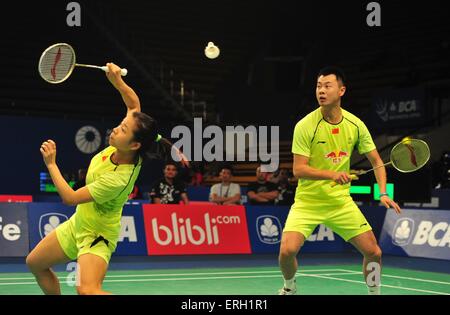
(128, 229)
(183, 231)
(10, 231)
(268, 228)
(427, 232)
(336, 156)
(322, 233)
(50, 221)
(402, 232)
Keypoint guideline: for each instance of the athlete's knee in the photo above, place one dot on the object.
(374, 252)
(32, 262)
(288, 250)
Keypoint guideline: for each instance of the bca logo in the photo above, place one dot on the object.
(50, 221)
(268, 228)
(402, 232)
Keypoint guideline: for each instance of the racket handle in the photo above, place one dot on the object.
(352, 176)
(123, 71)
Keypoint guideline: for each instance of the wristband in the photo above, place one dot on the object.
(384, 194)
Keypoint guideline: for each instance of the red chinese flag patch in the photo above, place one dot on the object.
(104, 158)
(335, 131)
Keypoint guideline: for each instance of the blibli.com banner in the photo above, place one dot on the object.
(196, 229)
(265, 227)
(417, 233)
(45, 217)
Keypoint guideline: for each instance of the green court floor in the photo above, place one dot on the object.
(326, 280)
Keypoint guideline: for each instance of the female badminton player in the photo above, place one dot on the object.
(90, 235)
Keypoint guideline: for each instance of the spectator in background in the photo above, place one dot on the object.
(81, 182)
(226, 192)
(196, 174)
(169, 190)
(262, 192)
(287, 191)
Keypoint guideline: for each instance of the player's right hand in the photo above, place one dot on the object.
(342, 178)
(113, 74)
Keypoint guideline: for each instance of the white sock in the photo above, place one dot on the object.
(289, 284)
(376, 290)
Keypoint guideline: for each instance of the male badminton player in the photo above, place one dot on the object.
(90, 235)
(322, 144)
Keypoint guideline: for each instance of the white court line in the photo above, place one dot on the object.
(408, 278)
(383, 285)
(185, 274)
(242, 277)
(174, 279)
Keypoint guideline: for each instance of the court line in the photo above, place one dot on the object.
(186, 274)
(243, 277)
(171, 279)
(408, 278)
(383, 285)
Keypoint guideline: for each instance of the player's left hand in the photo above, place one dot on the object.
(48, 150)
(388, 203)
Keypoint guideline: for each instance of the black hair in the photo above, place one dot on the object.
(146, 133)
(227, 167)
(338, 72)
(170, 163)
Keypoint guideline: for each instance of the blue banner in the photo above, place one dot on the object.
(132, 239)
(13, 230)
(417, 233)
(265, 227)
(45, 217)
(398, 107)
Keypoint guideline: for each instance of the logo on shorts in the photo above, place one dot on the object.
(402, 232)
(268, 228)
(50, 221)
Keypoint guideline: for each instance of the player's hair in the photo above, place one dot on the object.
(338, 72)
(152, 145)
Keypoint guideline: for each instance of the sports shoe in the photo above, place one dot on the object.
(286, 291)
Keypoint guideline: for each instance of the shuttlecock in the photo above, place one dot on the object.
(212, 51)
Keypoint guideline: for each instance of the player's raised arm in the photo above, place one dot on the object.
(129, 97)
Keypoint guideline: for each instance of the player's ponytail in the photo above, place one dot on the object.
(153, 145)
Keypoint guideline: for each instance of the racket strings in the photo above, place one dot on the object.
(56, 64)
(410, 156)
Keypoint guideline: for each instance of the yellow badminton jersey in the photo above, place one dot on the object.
(329, 147)
(110, 186)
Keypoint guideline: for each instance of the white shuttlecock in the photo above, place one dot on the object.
(212, 51)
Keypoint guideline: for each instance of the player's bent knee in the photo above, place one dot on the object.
(287, 251)
(374, 253)
(32, 262)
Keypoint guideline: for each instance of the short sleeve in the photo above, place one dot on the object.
(155, 193)
(214, 189)
(182, 187)
(235, 189)
(301, 142)
(107, 187)
(365, 142)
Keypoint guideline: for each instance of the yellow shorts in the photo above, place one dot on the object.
(76, 243)
(345, 220)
